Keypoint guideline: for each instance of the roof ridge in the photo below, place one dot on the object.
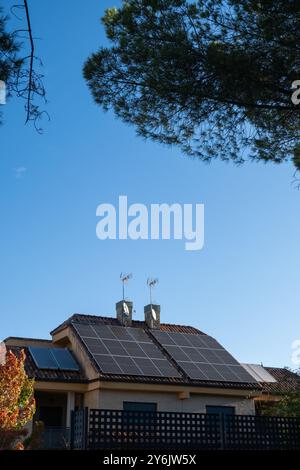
(76, 316)
(27, 338)
(285, 368)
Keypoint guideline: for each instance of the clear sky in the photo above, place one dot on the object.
(242, 288)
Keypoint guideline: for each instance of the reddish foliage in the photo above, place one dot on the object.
(17, 404)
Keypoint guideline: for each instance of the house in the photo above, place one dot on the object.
(121, 363)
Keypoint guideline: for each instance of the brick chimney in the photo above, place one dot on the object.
(124, 312)
(152, 316)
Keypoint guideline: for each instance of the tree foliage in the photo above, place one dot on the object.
(289, 402)
(18, 64)
(17, 404)
(287, 406)
(213, 77)
(9, 48)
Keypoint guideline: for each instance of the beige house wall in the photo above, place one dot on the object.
(67, 338)
(92, 399)
(107, 395)
(113, 399)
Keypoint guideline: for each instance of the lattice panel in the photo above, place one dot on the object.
(78, 428)
(262, 433)
(163, 430)
(139, 429)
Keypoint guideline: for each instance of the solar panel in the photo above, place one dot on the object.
(125, 350)
(64, 359)
(202, 357)
(165, 367)
(53, 358)
(112, 332)
(86, 331)
(107, 364)
(259, 373)
(43, 358)
(151, 350)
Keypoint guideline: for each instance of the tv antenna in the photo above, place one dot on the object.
(124, 279)
(151, 283)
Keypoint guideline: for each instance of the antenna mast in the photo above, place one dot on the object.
(151, 283)
(124, 279)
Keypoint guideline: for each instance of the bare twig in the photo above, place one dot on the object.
(31, 60)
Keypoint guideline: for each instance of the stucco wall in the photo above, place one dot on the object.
(92, 399)
(113, 399)
(67, 338)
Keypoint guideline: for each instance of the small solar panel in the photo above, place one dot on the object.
(259, 373)
(43, 358)
(53, 358)
(64, 359)
(202, 357)
(125, 350)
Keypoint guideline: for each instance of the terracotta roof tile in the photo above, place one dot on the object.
(287, 381)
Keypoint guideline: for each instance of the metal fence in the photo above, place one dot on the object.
(114, 429)
(56, 438)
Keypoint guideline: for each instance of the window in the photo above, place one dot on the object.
(136, 406)
(221, 410)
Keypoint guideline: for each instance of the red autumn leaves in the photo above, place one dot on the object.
(17, 404)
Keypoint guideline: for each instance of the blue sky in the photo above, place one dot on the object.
(242, 288)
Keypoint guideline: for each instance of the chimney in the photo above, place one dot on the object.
(152, 316)
(124, 312)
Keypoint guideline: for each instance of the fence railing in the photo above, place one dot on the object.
(79, 428)
(56, 438)
(117, 429)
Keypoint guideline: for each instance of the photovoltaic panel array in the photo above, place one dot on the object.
(124, 350)
(53, 358)
(202, 357)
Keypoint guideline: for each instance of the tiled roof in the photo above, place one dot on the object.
(48, 375)
(287, 381)
(74, 376)
(184, 380)
(19, 339)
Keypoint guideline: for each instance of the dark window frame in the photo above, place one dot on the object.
(139, 403)
(221, 407)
